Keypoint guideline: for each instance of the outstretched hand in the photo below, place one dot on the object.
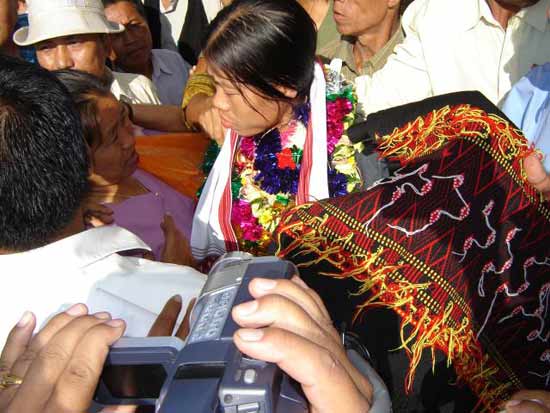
(288, 324)
(537, 175)
(529, 401)
(61, 365)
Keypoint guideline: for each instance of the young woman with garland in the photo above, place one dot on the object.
(285, 114)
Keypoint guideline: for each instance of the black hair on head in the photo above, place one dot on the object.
(43, 156)
(263, 44)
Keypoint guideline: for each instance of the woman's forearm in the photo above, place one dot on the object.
(159, 117)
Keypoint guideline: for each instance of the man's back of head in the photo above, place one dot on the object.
(43, 157)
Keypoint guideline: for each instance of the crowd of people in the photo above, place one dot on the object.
(344, 136)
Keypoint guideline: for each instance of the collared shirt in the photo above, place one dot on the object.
(528, 106)
(86, 268)
(343, 49)
(170, 73)
(137, 88)
(452, 46)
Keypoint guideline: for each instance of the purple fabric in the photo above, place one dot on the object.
(143, 214)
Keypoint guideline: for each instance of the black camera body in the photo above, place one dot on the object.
(207, 373)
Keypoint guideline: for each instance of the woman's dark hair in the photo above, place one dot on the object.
(85, 89)
(264, 44)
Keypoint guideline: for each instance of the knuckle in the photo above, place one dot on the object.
(28, 356)
(53, 353)
(329, 361)
(80, 372)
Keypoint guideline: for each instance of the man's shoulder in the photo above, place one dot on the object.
(433, 14)
(170, 59)
(166, 54)
(124, 78)
(536, 80)
(138, 88)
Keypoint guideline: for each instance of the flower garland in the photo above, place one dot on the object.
(266, 167)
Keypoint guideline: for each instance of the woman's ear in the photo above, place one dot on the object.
(287, 91)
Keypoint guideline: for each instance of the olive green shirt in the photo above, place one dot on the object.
(342, 48)
(327, 33)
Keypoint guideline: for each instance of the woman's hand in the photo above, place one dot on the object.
(61, 365)
(176, 247)
(529, 401)
(201, 111)
(537, 176)
(288, 324)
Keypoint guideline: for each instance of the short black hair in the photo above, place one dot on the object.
(137, 4)
(43, 157)
(264, 44)
(84, 89)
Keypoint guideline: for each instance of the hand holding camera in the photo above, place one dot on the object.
(286, 323)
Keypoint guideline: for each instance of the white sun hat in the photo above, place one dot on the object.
(49, 19)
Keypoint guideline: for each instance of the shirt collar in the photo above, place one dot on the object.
(536, 15)
(85, 248)
(473, 11)
(345, 52)
(387, 50)
(159, 64)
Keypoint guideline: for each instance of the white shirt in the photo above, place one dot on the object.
(170, 73)
(455, 45)
(85, 268)
(137, 88)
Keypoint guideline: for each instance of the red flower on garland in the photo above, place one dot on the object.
(285, 159)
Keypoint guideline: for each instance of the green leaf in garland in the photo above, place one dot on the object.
(296, 155)
(210, 157)
(236, 186)
(283, 200)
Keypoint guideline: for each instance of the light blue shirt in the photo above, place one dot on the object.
(170, 73)
(528, 106)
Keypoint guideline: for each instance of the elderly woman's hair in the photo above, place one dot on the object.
(263, 44)
(85, 89)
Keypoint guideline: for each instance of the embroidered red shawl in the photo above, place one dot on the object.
(456, 244)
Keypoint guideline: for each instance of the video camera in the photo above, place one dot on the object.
(207, 373)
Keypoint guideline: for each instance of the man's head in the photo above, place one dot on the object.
(516, 4)
(358, 17)
(43, 157)
(133, 46)
(85, 52)
(68, 34)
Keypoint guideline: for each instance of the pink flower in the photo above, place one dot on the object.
(241, 215)
(248, 147)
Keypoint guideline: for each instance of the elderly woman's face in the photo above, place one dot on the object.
(114, 156)
(245, 111)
